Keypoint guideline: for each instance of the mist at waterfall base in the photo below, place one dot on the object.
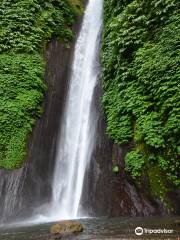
(77, 130)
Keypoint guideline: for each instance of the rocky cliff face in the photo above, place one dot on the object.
(106, 193)
(42, 145)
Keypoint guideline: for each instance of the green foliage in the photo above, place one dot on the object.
(25, 25)
(21, 92)
(77, 6)
(114, 7)
(115, 168)
(25, 28)
(140, 60)
(149, 129)
(134, 163)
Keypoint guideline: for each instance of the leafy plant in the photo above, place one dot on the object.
(140, 63)
(25, 28)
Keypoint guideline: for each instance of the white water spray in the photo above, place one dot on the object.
(78, 126)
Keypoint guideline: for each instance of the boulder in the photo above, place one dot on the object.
(66, 228)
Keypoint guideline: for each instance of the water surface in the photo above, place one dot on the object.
(100, 229)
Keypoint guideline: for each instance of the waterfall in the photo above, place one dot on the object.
(23, 190)
(77, 133)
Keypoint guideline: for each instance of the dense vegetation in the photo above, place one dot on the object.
(25, 28)
(140, 58)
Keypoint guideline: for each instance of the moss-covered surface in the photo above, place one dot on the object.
(140, 62)
(77, 6)
(25, 28)
(157, 185)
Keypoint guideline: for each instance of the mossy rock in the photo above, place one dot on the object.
(66, 228)
(158, 187)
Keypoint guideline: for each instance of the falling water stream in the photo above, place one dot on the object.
(78, 126)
